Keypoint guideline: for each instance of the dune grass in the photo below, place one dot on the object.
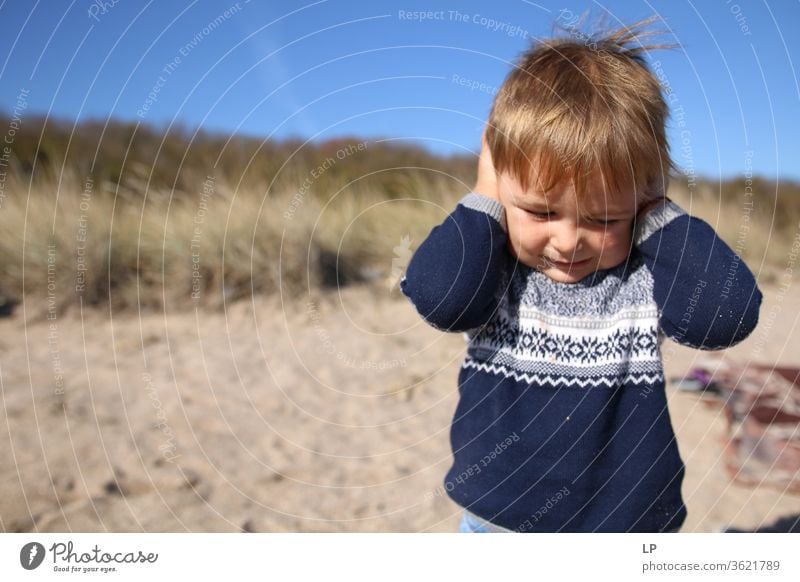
(67, 240)
(113, 246)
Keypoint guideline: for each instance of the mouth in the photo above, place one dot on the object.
(566, 265)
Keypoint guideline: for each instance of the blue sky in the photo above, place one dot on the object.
(333, 67)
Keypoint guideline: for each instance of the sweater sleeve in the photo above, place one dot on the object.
(707, 297)
(453, 276)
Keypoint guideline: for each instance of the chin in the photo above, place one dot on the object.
(567, 277)
(560, 275)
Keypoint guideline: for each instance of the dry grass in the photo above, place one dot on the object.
(146, 250)
(145, 247)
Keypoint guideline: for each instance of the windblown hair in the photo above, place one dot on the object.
(579, 104)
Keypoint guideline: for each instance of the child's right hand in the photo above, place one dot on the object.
(487, 176)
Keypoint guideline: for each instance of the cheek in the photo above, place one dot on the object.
(534, 239)
(524, 232)
(614, 240)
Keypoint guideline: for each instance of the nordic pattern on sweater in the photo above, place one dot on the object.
(551, 333)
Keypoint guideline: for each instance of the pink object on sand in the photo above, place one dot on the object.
(762, 408)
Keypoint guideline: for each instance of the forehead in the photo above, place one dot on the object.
(597, 198)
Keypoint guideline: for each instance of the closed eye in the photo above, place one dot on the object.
(539, 215)
(599, 221)
(604, 222)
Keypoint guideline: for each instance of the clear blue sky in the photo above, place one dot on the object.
(334, 67)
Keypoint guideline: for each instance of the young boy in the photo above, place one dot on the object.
(566, 267)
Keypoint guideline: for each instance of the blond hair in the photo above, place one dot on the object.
(580, 104)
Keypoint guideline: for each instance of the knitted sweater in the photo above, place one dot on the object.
(562, 422)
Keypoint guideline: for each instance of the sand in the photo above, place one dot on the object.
(325, 413)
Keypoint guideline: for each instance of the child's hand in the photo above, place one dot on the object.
(647, 206)
(487, 177)
(657, 196)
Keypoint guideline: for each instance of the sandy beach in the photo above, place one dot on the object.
(325, 413)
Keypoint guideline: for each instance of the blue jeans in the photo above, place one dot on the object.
(470, 523)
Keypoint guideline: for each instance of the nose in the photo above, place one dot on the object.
(566, 240)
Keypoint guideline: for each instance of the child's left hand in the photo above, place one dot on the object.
(657, 197)
(647, 206)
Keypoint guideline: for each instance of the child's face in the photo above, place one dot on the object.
(546, 232)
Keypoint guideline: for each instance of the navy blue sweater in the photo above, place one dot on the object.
(562, 422)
